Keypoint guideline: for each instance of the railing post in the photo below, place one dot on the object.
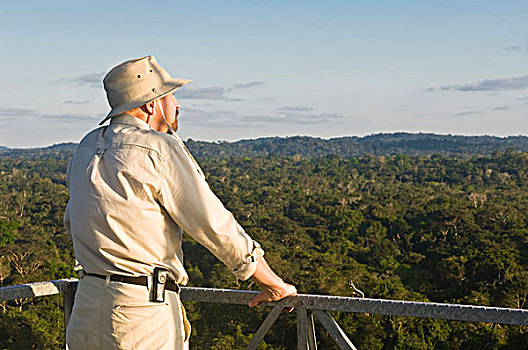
(302, 328)
(69, 297)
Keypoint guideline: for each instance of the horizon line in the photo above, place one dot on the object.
(301, 136)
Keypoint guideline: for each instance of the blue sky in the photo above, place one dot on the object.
(274, 68)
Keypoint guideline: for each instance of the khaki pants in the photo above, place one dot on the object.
(113, 315)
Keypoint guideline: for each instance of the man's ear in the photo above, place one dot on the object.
(149, 108)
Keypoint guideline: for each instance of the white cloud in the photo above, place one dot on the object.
(501, 84)
(466, 113)
(73, 117)
(516, 47)
(295, 108)
(205, 93)
(199, 93)
(24, 112)
(214, 92)
(89, 79)
(76, 102)
(16, 112)
(247, 85)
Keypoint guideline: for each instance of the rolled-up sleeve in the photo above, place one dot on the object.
(195, 208)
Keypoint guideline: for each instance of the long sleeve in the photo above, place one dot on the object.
(194, 207)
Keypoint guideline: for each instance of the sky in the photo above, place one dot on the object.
(271, 68)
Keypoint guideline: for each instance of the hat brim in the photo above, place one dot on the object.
(169, 87)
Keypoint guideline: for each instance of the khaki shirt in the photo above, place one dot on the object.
(132, 192)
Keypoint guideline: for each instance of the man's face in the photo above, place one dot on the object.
(171, 108)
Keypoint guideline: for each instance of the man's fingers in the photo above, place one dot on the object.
(257, 299)
(266, 295)
(253, 302)
(291, 291)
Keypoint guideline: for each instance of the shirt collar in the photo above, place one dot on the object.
(127, 119)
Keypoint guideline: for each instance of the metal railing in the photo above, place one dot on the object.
(306, 307)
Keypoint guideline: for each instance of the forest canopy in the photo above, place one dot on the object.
(410, 226)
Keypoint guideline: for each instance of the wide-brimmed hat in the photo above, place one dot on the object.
(137, 82)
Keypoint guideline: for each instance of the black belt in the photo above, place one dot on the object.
(140, 280)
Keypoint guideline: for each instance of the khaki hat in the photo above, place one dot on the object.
(137, 82)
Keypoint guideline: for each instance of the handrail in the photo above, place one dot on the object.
(37, 289)
(471, 313)
(318, 304)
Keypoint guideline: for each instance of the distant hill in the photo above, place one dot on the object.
(377, 145)
(57, 151)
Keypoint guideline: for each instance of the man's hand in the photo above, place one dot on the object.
(274, 294)
(274, 287)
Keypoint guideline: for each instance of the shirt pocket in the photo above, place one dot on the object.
(132, 171)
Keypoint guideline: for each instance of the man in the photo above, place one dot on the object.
(134, 188)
